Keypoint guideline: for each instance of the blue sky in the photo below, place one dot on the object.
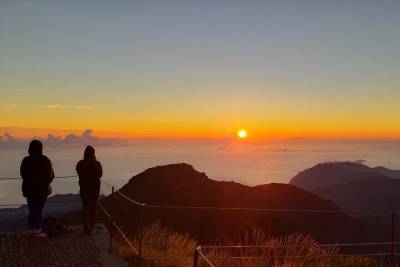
(290, 67)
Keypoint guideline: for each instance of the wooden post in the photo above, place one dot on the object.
(393, 251)
(196, 256)
(142, 213)
(111, 226)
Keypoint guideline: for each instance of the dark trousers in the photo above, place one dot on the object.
(35, 206)
(89, 212)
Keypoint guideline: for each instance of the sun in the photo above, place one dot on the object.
(242, 133)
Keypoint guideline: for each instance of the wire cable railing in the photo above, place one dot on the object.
(107, 183)
(138, 203)
(267, 210)
(51, 202)
(199, 252)
(224, 208)
(300, 246)
(48, 203)
(201, 255)
(114, 223)
(131, 200)
(57, 177)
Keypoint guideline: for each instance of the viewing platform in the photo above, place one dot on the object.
(72, 249)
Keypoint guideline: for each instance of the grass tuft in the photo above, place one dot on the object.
(165, 248)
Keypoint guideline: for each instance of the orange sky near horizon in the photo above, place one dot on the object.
(172, 133)
(315, 69)
(219, 119)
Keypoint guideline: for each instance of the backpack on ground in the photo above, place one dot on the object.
(53, 227)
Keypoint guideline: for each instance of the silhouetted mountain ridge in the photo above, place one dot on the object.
(182, 185)
(334, 173)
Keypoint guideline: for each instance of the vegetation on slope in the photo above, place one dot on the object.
(164, 247)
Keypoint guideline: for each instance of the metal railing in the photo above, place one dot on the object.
(57, 177)
(199, 253)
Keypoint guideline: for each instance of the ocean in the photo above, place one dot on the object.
(250, 163)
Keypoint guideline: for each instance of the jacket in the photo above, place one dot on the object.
(37, 174)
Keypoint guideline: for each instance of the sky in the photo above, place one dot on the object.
(179, 69)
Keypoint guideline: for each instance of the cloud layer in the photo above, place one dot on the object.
(59, 106)
(51, 106)
(86, 138)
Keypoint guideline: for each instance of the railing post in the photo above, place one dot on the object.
(392, 254)
(111, 226)
(142, 214)
(196, 255)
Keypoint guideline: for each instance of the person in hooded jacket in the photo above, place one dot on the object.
(89, 171)
(37, 174)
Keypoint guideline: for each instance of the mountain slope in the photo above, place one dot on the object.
(12, 219)
(334, 173)
(395, 174)
(378, 195)
(180, 184)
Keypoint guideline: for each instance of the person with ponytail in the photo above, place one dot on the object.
(89, 171)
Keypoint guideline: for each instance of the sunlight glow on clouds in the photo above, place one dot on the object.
(58, 106)
(7, 140)
(160, 119)
(8, 105)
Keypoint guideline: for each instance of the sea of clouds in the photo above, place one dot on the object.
(7, 140)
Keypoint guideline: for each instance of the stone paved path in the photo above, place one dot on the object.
(69, 250)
